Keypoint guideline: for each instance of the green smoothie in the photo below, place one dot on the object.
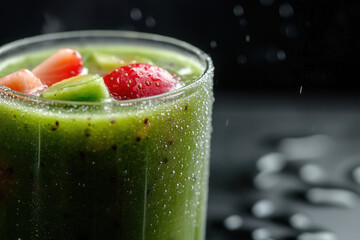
(134, 169)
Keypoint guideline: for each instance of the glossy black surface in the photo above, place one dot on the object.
(284, 165)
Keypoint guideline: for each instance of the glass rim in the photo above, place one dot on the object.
(208, 68)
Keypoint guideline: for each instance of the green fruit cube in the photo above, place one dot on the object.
(86, 87)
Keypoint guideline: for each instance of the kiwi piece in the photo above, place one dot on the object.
(79, 88)
(103, 63)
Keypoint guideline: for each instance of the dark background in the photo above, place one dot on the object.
(288, 46)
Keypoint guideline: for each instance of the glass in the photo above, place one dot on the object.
(134, 169)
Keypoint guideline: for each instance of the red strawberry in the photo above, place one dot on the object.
(139, 80)
(22, 81)
(65, 63)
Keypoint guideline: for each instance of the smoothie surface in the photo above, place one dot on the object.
(98, 59)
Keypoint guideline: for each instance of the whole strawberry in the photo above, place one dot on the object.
(139, 80)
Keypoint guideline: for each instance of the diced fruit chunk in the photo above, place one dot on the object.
(22, 81)
(80, 88)
(63, 64)
(139, 80)
(102, 63)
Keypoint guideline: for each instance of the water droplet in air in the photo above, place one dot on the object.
(291, 30)
(238, 10)
(242, 59)
(286, 10)
(135, 14)
(150, 22)
(266, 2)
(281, 55)
(213, 44)
(52, 24)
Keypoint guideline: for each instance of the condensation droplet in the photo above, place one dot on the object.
(135, 14)
(247, 38)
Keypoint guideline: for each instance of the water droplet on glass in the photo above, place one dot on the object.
(238, 10)
(135, 14)
(247, 38)
(213, 44)
(150, 22)
(286, 10)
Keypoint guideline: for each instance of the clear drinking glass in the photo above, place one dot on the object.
(134, 169)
